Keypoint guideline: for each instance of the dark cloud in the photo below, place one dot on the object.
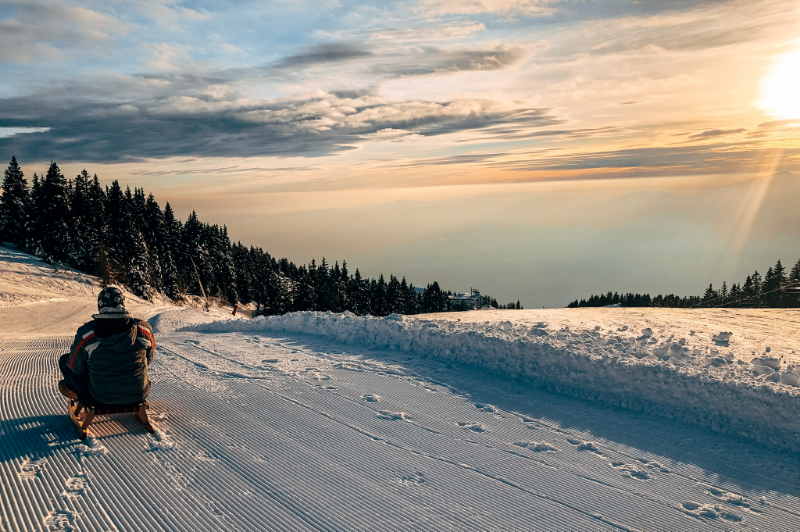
(435, 61)
(99, 130)
(326, 53)
(716, 133)
(34, 30)
(774, 124)
(657, 161)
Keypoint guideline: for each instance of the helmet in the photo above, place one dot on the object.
(111, 303)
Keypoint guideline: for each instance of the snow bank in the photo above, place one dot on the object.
(172, 320)
(631, 369)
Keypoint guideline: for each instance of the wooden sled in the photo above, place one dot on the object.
(76, 407)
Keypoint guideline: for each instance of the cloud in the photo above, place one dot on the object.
(711, 133)
(325, 53)
(169, 11)
(167, 56)
(441, 61)
(42, 30)
(705, 26)
(531, 8)
(96, 129)
(11, 131)
(648, 161)
(428, 33)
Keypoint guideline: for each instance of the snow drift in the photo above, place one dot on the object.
(758, 400)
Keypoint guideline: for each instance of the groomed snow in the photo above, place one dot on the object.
(732, 371)
(36, 298)
(337, 428)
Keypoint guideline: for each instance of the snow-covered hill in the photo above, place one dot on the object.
(331, 422)
(37, 298)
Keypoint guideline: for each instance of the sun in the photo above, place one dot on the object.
(780, 89)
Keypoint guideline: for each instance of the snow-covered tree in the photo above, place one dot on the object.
(54, 216)
(13, 204)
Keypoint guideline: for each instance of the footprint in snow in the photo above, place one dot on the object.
(632, 471)
(161, 442)
(414, 479)
(473, 426)
(654, 465)
(586, 446)
(537, 446)
(75, 486)
(727, 497)
(92, 447)
(31, 469)
(486, 408)
(394, 416)
(60, 521)
(371, 397)
(708, 511)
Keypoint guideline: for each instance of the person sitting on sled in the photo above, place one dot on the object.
(107, 364)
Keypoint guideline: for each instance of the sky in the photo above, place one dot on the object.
(537, 150)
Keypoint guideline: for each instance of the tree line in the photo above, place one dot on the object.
(756, 291)
(124, 237)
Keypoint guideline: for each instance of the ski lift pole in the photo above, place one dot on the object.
(202, 290)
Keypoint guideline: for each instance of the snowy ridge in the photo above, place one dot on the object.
(755, 400)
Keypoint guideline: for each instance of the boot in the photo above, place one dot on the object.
(66, 391)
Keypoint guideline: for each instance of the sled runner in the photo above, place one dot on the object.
(76, 407)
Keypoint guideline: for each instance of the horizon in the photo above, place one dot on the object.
(540, 151)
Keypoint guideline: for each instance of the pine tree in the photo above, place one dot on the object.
(434, 300)
(153, 232)
(322, 286)
(14, 205)
(171, 231)
(54, 216)
(194, 249)
(710, 296)
(222, 265)
(138, 274)
(305, 298)
(394, 296)
(86, 222)
(359, 294)
(244, 272)
(380, 304)
(33, 228)
(118, 240)
(775, 285)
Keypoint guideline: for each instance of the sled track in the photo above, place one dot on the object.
(297, 433)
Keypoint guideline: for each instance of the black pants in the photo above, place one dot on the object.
(77, 383)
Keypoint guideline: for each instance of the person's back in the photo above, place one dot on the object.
(107, 363)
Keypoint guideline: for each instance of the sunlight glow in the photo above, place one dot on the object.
(781, 87)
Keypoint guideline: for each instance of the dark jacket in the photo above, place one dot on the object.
(115, 353)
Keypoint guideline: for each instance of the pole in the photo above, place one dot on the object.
(198, 281)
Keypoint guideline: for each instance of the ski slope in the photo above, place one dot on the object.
(264, 426)
(300, 432)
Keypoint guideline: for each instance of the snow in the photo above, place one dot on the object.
(36, 298)
(332, 422)
(678, 369)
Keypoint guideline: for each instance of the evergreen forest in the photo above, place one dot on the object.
(776, 289)
(126, 238)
